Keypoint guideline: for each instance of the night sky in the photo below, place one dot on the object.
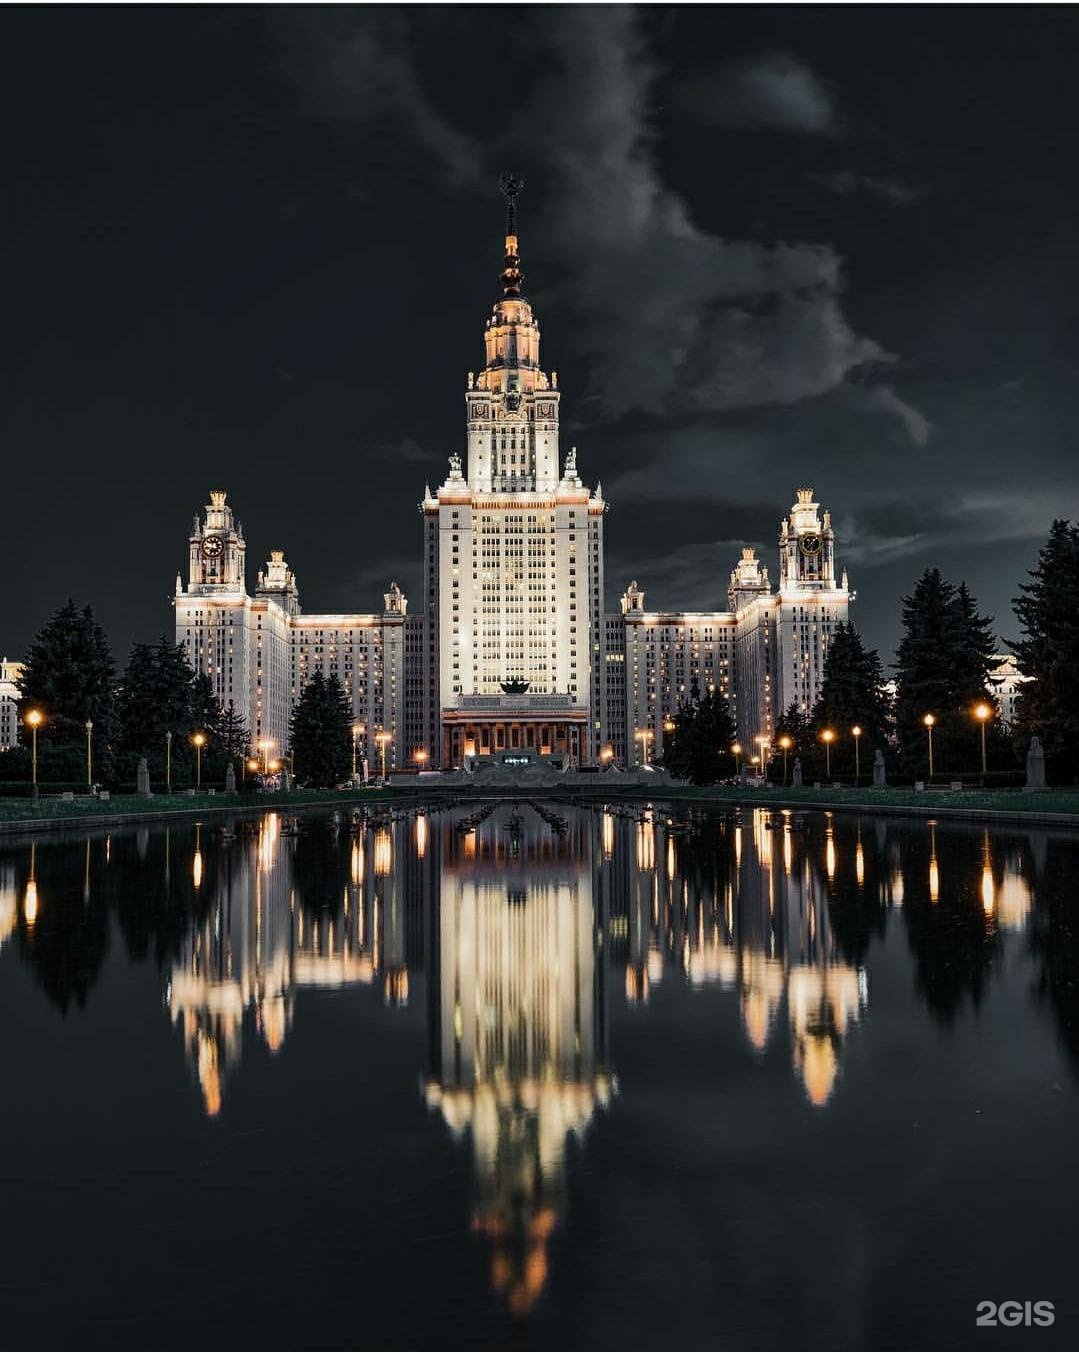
(255, 248)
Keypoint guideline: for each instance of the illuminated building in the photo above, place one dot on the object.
(10, 676)
(513, 647)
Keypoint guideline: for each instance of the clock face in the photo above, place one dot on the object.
(212, 547)
(811, 544)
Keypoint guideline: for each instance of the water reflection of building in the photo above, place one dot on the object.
(264, 934)
(747, 909)
(519, 1033)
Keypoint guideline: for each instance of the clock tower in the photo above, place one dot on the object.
(216, 550)
(807, 546)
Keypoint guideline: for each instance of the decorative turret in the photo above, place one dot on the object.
(396, 603)
(632, 599)
(278, 583)
(749, 580)
(511, 277)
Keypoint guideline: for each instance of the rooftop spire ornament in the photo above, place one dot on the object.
(512, 277)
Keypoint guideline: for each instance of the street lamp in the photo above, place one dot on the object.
(857, 732)
(168, 761)
(644, 735)
(983, 713)
(357, 730)
(929, 721)
(420, 757)
(827, 738)
(89, 755)
(264, 746)
(382, 739)
(252, 766)
(786, 742)
(34, 720)
(736, 752)
(199, 740)
(605, 755)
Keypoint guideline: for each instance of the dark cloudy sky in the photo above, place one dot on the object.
(254, 249)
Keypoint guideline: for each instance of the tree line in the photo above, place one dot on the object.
(941, 669)
(118, 717)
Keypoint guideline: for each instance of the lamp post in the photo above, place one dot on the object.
(382, 739)
(251, 766)
(857, 732)
(982, 713)
(264, 746)
(168, 761)
(785, 742)
(827, 737)
(89, 755)
(357, 730)
(644, 735)
(763, 743)
(736, 752)
(34, 720)
(605, 755)
(199, 740)
(929, 721)
(420, 758)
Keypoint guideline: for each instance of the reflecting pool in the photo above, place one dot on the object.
(500, 1074)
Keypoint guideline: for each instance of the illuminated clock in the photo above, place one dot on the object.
(811, 544)
(212, 547)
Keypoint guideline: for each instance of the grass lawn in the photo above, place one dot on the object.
(991, 801)
(17, 810)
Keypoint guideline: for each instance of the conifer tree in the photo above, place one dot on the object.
(321, 732)
(852, 694)
(698, 748)
(1048, 613)
(70, 677)
(155, 698)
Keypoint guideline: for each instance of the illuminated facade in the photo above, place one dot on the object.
(259, 649)
(10, 676)
(513, 647)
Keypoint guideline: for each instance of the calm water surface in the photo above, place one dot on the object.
(543, 1076)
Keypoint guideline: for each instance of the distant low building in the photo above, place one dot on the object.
(1005, 683)
(10, 691)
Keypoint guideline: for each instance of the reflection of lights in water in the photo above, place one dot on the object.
(421, 835)
(822, 1002)
(646, 846)
(859, 864)
(738, 844)
(1014, 899)
(829, 855)
(988, 889)
(196, 869)
(470, 844)
(788, 848)
(608, 835)
(9, 902)
(898, 892)
(636, 983)
(395, 987)
(670, 858)
(209, 1073)
(383, 852)
(934, 872)
(268, 840)
(762, 837)
(30, 903)
(356, 862)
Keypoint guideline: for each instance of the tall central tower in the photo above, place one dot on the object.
(513, 557)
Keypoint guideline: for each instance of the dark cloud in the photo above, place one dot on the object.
(849, 183)
(667, 315)
(356, 64)
(770, 90)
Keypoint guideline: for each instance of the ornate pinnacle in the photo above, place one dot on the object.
(512, 277)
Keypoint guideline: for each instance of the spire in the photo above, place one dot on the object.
(511, 276)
